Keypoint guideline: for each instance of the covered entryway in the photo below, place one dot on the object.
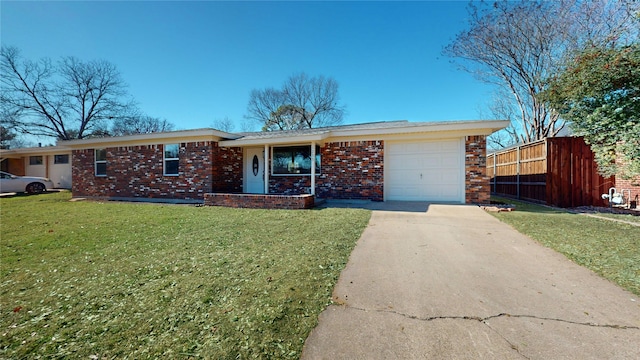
(425, 171)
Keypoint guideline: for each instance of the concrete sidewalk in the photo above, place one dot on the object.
(452, 282)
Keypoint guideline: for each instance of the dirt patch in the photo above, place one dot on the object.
(497, 206)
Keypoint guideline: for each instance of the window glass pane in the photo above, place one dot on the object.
(101, 168)
(101, 154)
(294, 160)
(61, 159)
(171, 151)
(318, 158)
(281, 161)
(171, 167)
(302, 164)
(35, 160)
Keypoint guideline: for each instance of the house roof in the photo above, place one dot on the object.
(279, 133)
(41, 150)
(205, 134)
(373, 130)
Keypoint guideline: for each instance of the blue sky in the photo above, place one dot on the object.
(195, 62)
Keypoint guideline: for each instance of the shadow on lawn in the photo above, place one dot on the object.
(25, 195)
(401, 206)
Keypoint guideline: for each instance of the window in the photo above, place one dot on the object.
(294, 160)
(61, 159)
(101, 162)
(171, 160)
(35, 160)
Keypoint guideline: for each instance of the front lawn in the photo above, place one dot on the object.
(609, 248)
(124, 280)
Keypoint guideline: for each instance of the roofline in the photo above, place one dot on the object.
(276, 140)
(5, 153)
(487, 127)
(153, 138)
(469, 127)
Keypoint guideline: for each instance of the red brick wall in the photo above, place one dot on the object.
(227, 169)
(258, 201)
(352, 170)
(477, 186)
(632, 184)
(291, 184)
(137, 171)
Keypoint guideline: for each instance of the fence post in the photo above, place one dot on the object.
(495, 175)
(518, 172)
(548, 179)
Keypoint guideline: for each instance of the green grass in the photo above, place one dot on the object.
(124, 280)
(609, 248)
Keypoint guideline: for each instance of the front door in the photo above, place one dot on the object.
(254, 170)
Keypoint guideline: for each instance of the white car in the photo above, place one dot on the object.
(30, 184)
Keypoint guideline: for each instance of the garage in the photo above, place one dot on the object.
(425, 171)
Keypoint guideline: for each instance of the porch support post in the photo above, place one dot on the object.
(266, 169)
(313, 168)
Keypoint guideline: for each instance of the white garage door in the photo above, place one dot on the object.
(425, 171)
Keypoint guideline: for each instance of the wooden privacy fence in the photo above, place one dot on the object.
(556, 171)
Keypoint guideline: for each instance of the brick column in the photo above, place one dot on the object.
(477, 186)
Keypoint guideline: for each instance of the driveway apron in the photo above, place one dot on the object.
(453, 282)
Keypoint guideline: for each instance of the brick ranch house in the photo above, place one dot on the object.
(396, 160)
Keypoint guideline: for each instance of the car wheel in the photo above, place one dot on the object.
(35, 188)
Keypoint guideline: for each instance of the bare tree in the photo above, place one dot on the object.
(139, 124)
(225, 124)
(263, 104)
(303, 102)
(286, 117)
(315, 100)
(519, 45)
(72, 99)
(503, 108)
(6, 136)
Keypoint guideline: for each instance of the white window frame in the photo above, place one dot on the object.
(96, 162)
(165, 159)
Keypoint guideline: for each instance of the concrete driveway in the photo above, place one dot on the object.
(452, 282)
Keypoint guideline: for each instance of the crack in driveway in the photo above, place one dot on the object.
(484, 320)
